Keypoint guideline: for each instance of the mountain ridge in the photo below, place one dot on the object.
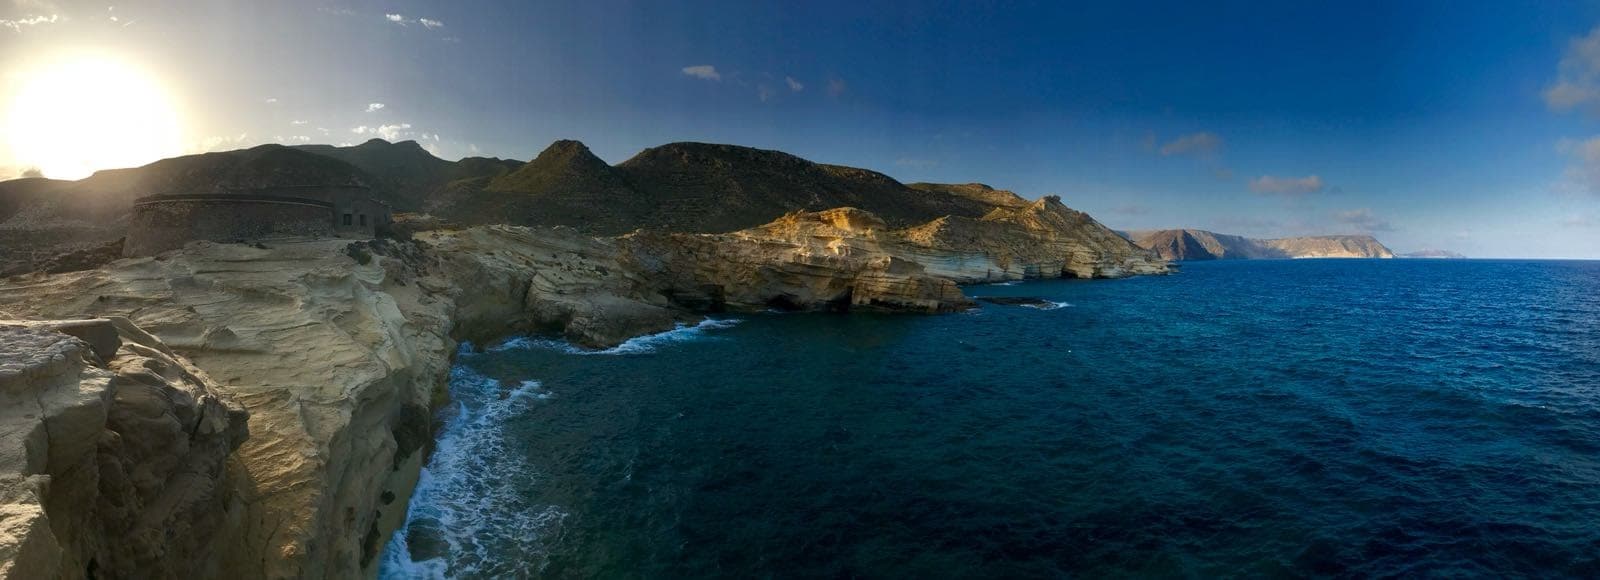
(1194, 244)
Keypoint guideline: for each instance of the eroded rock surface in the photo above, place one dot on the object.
(339, 351)
(112, 454)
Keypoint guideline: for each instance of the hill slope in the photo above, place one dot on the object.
(691, 187)
(1187, 244)
(679, 187)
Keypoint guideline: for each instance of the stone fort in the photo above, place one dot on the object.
(165, 222)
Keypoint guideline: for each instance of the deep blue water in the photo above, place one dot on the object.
(1274, 418)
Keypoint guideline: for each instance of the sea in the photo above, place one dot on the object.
(1344, 418)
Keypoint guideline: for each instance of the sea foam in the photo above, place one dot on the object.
(467, 513)
(636, 345)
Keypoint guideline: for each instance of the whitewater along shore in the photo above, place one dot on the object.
(318, 364)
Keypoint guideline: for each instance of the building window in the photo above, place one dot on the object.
(363, 220)
(347, 219)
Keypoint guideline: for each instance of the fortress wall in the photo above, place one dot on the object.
(168, 222)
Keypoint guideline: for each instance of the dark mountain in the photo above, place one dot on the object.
(693, 187)
(683, 187)
(40, 218)
(411, 175)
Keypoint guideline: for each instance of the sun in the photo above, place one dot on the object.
(74, 116)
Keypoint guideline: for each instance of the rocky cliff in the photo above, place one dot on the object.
(339, 351)
(1203, 245)
(114, 460)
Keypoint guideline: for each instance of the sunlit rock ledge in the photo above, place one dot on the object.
(339, 351)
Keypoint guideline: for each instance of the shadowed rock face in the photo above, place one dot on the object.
(1204, 245)
(112, 463)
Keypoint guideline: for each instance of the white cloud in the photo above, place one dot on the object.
(395, 18)
(397, 132)
(428, 23)
(374, 107)
(794, 85)
(293, 139)
(271, 100)
(297, 123)
(1289, 186)
(1363, 220)
(1583, 165)
(703, 71)
(30, 21)
(1201, 144)
(1577, 84)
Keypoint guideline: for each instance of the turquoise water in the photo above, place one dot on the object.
(1276, 418)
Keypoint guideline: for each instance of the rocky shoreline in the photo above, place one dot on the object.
(338, 352)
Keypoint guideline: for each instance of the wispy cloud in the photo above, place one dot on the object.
(703, 71)
(30, 21)
(794, 85)
(395, 18)
(1577, 84)
(837, 87)
(1201, 144)
(297, 122)
(270, 100)
(1287, 186)
(430, 23)
(375, 107)
(1363, 220)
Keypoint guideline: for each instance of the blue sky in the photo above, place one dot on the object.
(1463, 125)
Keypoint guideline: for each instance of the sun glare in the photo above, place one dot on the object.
(72, 117)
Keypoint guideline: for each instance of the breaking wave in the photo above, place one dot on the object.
(1048, 305)
(636, 345)
(467, 513)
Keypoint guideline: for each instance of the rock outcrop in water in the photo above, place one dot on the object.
(1204, 245)
(114, 454)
